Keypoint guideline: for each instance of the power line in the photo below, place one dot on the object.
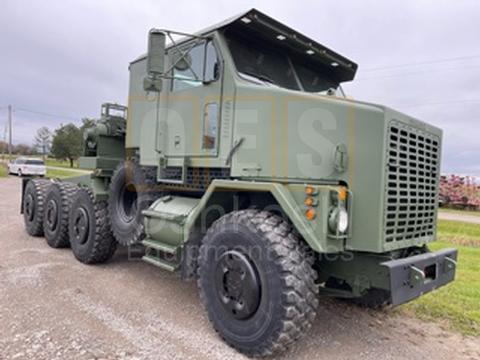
(47, 114)
(388, 67)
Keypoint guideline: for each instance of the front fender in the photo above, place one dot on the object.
(290, 197)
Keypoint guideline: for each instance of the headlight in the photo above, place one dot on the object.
(338, 220)
(342, 220)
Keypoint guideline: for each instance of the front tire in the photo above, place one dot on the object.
(89, 229)
(257, 282)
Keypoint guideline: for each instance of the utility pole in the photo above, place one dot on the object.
(9, 132)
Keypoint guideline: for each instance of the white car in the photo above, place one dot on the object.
(26, 166)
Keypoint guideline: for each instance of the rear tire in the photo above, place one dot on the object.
(58, 202)
(33, 206)
(89, 229)
(131, 192)
(257, 282)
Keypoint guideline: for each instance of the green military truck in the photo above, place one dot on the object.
(242, 165)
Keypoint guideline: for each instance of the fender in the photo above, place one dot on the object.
(290, 197)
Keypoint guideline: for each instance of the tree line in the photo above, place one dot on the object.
(64, 143)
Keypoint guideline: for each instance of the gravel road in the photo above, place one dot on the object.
(53, 307)
(445, 215)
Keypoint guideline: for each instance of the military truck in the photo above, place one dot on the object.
(242, 165)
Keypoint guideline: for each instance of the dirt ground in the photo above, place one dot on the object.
(53, 307)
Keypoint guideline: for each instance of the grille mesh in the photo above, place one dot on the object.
(412, 173)
(198, 178)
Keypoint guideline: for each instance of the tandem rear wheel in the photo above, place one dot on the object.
(90, 236)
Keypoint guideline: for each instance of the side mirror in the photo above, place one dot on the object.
(182, 63)
(155, 61)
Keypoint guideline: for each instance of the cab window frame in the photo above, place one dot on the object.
(202, 81)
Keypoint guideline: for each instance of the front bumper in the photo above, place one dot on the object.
(416, 275)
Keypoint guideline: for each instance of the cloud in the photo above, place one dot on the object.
(67, 57)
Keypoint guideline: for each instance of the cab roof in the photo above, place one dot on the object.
(257, 25)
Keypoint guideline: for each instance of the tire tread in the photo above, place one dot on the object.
(294, 260)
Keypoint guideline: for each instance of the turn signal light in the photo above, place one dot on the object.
(310, 214)
(309, 201)
(342, 194)
(310, 190)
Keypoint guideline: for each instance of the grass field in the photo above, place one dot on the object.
(3, 170)
(457, 305)
(61, 173)
(459, 233)
(60, 163)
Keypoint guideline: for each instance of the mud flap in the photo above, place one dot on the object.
(416, 275)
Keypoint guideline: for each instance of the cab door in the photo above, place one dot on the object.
(192, 112)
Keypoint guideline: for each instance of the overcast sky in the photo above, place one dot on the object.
(67, 57)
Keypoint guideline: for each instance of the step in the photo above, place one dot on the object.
(160, 263)
(163, 247)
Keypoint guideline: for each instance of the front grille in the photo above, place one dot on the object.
(412, 172)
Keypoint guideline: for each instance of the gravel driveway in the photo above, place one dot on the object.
(445, 215)
(53, 307)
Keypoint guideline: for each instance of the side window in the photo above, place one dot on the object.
(184, 77)
(211, 63)
(210, 126)
(204, 63)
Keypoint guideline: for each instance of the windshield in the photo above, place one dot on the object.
(34, 162)
(274, 67)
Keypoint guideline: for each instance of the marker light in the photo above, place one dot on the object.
(309, 201)
(342, 194)
(310, 214)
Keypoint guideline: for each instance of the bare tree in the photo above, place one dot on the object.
(43, 140)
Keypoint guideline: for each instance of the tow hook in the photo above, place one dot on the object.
(417, 276)
(449, 265)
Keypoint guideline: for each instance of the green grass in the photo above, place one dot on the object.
(3, 170)
(459, 233)
(60, 163)
(57, 173)
(458, 304)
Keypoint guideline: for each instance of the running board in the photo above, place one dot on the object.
(163, 264)
(163, 247)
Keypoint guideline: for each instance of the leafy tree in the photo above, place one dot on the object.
(23, 149)
(43, 140)
(87, 123)
(67, 143)
(3, 147)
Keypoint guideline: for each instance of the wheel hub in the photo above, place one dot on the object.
(81, 226)
(52, 215)
(30, 207)
(238, 285)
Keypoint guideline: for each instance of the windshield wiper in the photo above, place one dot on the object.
(262, 77)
